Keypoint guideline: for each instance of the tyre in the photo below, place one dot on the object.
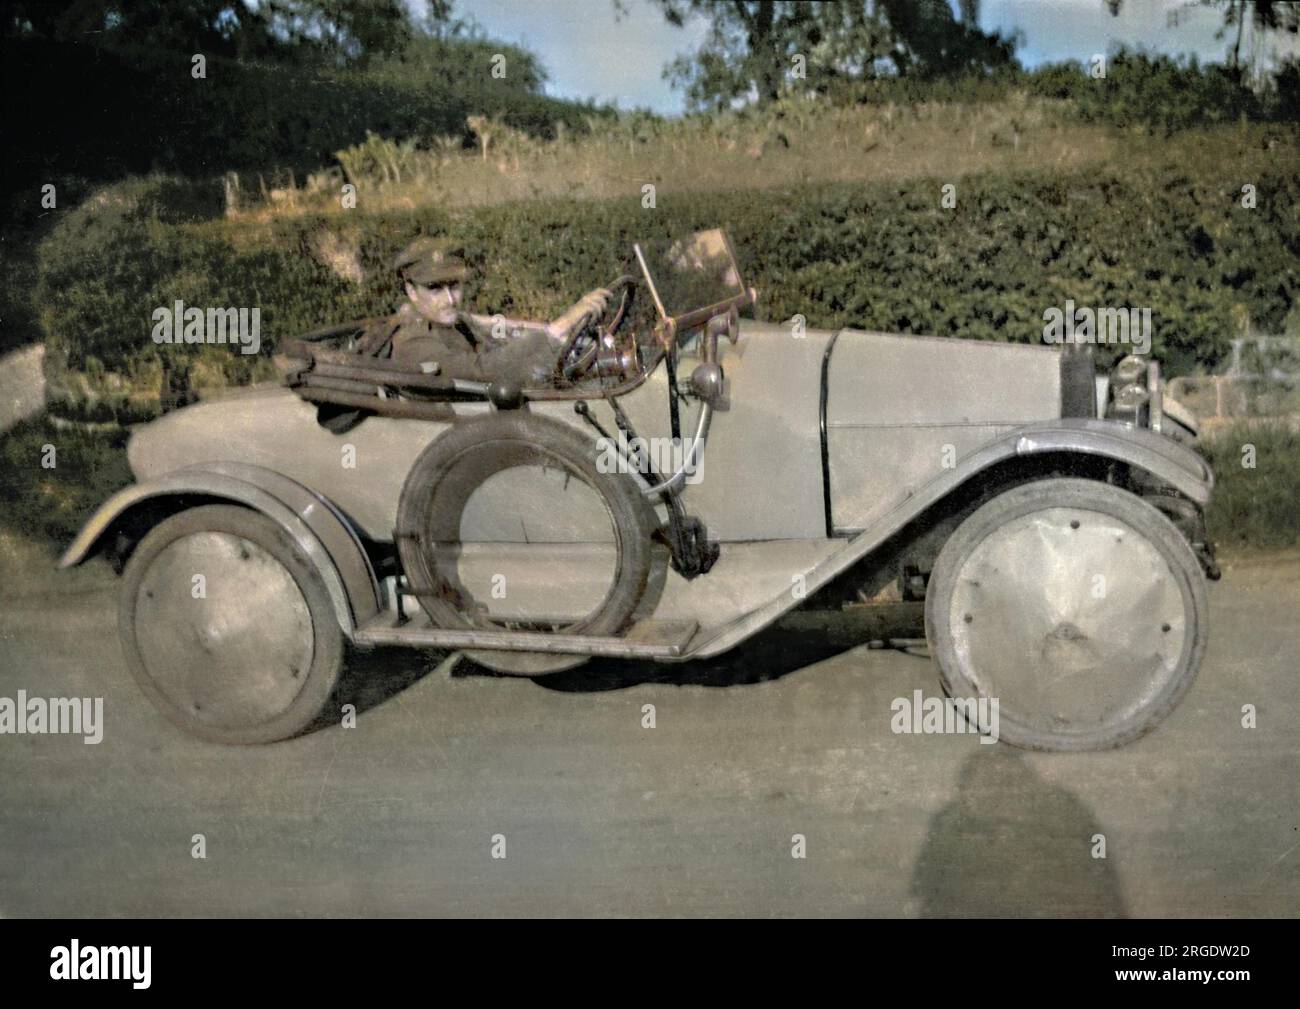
(508, 522)
(227, 628)
(1077, 605)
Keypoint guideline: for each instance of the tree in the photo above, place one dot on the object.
(268, 29)
(752, 44)
(1267, 16)
(1264, 15)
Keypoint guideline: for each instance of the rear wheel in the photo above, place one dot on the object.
(1077, 605)
(227, 628)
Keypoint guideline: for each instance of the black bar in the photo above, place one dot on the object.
(826, 451)
(930, 960)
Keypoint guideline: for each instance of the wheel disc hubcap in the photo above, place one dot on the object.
(1071, 618)
(232, 648)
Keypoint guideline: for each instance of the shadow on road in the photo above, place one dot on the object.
(371, 677)
(767, 657)
(1013, 845)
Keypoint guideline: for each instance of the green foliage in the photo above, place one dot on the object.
(756, 49)
(1255, 507)
(884, 256)
(1163, 93)
(1145, 91)
(921, 50)
(243, 116)
(51, 504)
(299, 30)
(458, 62)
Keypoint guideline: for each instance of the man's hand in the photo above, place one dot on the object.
(591, 305)
(596, 302)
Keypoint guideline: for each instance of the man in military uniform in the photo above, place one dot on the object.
(431, 332)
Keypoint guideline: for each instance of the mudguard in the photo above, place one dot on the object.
(321, 531)
(1166, 460)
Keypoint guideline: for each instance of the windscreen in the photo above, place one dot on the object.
(692, 273)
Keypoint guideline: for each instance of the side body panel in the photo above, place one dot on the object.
(762, 473)
(901, 409)
(268, 426)
(761, 478)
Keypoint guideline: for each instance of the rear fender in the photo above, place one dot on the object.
(320, 530)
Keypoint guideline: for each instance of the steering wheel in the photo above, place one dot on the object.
(584, 344)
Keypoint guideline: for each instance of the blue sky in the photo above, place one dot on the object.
(589, 52)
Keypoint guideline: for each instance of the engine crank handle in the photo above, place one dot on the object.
(691, 463)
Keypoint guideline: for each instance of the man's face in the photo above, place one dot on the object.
(436, 303)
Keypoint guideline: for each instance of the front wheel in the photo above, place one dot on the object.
(228, 628)
(1077, 605)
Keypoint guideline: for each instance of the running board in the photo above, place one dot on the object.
(647, 639)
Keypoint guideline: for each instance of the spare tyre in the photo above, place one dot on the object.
(507, 522)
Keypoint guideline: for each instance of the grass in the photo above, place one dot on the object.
(803, 143)
(49, 503)
(1255, 505)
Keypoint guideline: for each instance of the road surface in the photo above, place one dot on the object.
(602, 816)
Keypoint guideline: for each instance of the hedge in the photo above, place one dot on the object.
(1168, 94)
(883, 256)
(1254, 503)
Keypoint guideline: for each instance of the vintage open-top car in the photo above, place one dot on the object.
(671, 491)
